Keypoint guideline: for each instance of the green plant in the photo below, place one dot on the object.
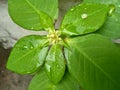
(80, 53)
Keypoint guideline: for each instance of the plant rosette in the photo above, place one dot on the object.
(80, 54)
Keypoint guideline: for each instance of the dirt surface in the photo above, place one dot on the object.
(10, 80)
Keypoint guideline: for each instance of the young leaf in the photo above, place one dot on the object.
(27, 55)
(95, 62)
(31, 14)
(41, 82)
(112, 24)
(55, 64)
(84, 18)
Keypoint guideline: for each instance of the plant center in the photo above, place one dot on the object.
(54, 37)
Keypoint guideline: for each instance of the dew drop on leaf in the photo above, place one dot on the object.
(79, 5)
(32, 28)
(28, 72)
(112, 9)
(84, 16)
(118, 5)
(31, 47)
(57, 65)
(72, 9)
(25, 47)
(28, 47)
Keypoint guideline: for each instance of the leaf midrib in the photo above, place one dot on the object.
(25, 55)
(39, 46)
(97, 66)
(78, 20)
(33, 7)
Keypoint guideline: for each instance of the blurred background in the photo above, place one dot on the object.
(9, 34)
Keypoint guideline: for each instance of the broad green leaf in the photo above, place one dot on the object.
(55, 64)
(31, 14)
(112, 24)
(28, 54)
(41, 82)
(94, 61)
(84, 18)
(115, 2)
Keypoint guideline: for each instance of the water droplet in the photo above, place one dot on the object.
(112, 9)
(32, 28)
(79, 5)
(57, 65)
(72, 9)
(31, 47)
(28, 72)
(48, 67)
(25, 47)
(84, 16)
(118, 5)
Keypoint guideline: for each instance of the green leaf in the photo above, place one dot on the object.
(84, 18)
(111, 28)
(33, 14)
(112, 24)
(115, 2)
(28, 55)
(41, 82)
(55, 64)
(94, 61)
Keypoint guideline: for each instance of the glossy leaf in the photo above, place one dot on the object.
(112, 24)
(41, 82)
(27, 55)
(84, 18)
(94, 61)
(115, 2)
(55, 64)
(33, 14)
